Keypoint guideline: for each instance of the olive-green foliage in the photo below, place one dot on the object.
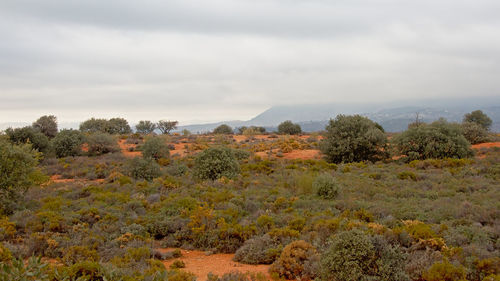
(17, 269)
(5, 254)
(68, 143)
(223, 130)
(254, 129)
(289, 128)
(145, 127)
(325, 186)
(47, 125)
(17, 166)
(155, 148)
(439, 139)
(166, 126)
(216, 162)
(479, 118)
(296, 262)
(445, 271)
(101, 143)
(118, 126)
(140, 168)
(111, 126)
(353, 139)
(474, 132)
(258, 250)
(24, 135)
(354, 255)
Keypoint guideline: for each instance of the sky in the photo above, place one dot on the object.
(206, 61)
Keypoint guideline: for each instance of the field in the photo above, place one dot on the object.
(91, 218)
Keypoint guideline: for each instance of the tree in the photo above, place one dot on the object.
(474, 132)
(353, 139)
(101, 143)
(289, 128)
(145, 127)
(479, 118)
(68, 143)
(47, 125)
(223, 130)
(140, 168)
(439, 139)
(166, 126)
(17, 167)
(27, 135)
(118, 126)
(155, 148)
(94, 125)
(216, 162)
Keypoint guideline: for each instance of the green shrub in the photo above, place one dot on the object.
(296, 262)
(68, 143)
(289, 128)
(101, 143)
(439, 139)
(258, 250)
(479, 118)
(177, 264)
(145, 127)
(223, 130)
(118, 126)
(146, 169)
(28, 135)
(155, 148)
(407, 175)
(474, 132)
(216, 162)
(47, 125)
(326, 187)
(111, 126)
(17, 269)
(5, 254)
(444, 271)
(353, 139)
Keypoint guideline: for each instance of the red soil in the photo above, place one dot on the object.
(303, 154)
(486, 145)
(125, 149)
(200, 264)
(179, 149)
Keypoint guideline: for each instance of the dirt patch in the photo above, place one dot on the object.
(486, 145)
(180, 150)
(200, 264)
(303, 154)
(59, 179)
(125, 149)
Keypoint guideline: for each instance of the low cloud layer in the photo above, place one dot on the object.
(230, 59)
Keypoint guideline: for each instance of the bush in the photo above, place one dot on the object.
(47, 125)
(17, 166)
(166, 126)
(29, 135)
(223, 130)
(326, 187)
(118, 126)
(145, 169)
(353, 139)
(479, 118)
(258, 250)
(289, 128)
(474, 132)
(155, 148)
(444, 271)
(297, 261)
(145, 127)
(111, 126)
(5, 254)
(68, 143)
(216, 162)
(439, 139)
(177, 264)
(101, 143)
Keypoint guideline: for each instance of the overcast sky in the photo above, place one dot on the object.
(231, 59)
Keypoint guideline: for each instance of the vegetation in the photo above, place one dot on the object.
(216, 162)
(68, 143)
(101, 143)
(111, 126)
(223, 130)
(166, 126)
(326, 187)
(145, 127)
(479, 118)
(47, 125)
(474, 133)
(155, 148)
(28, 135)
(289, 128)
(353, 139)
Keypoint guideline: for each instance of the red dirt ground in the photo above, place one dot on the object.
(303, 154)
(124, 148)
(486, 145)
(200, 264)
(179, 149)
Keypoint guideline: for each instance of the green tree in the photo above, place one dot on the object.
(101, 143)
(155, 148)
(94, 125)
(353, 139)
(145, 169)
(289, 128)
(118, 126)
(26, 135)
(216, 162)
(17, 171)
(68, 143)
(474, 132)
(145, 127)
(223, 130)
(479, 118)
(47, 125)
(166, 126)
(439, 139)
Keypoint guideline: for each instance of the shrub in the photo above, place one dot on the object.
(145, 127)
(5, 254)
(289, 128)
(444, 271)
(216, 162)
(29, 135)
(166, 126)
(94, 125)
(258, 250)
(439, 139)
(479, 118)
(47, 125)
(101, 143)
(296, 261)
(353, 139)
(68, 143)
(177, 264)
(326, 187)
(146, 169)
(155, 148)
(118, 126)
(17, 269)
(17, 166)
(223, 130)
(474, 132)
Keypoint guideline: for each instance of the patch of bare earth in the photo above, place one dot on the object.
(486, 145)
(124, 147)
(59, 179)
(200, 264)
(305, 154)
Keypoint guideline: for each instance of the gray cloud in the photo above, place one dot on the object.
(214, 60)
